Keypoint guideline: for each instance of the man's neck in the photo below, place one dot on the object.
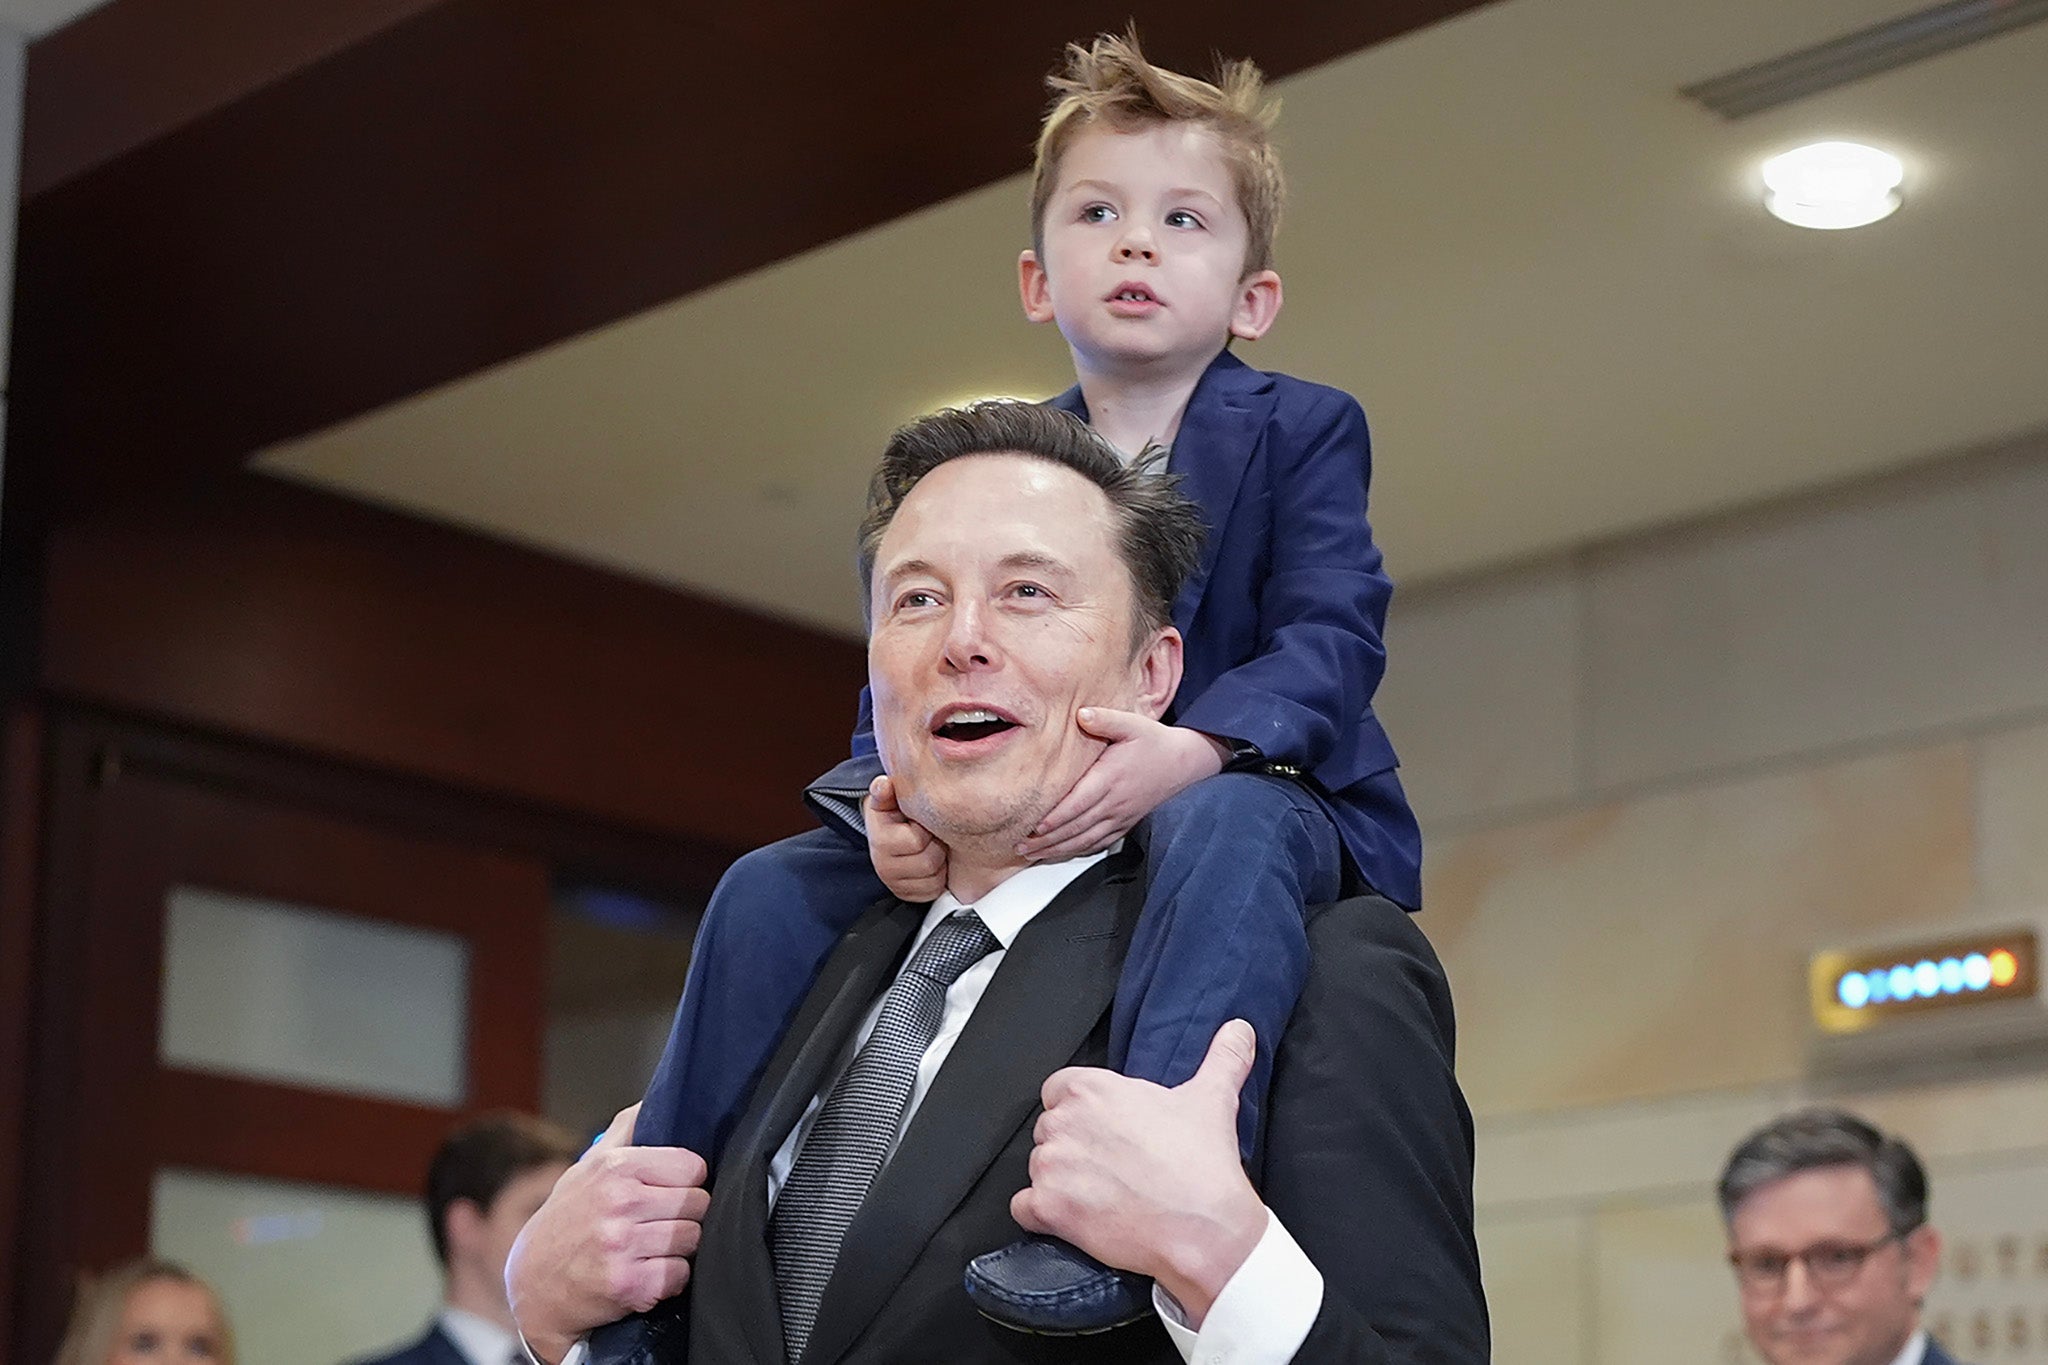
(970, 878)
(469, 1294)
(1130, 408)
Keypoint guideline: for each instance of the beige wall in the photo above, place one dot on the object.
(1655, 776)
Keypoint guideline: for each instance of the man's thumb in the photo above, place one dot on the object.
(882, 794)
(620, 1133)
(1230, 1058)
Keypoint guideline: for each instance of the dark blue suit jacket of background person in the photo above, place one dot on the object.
(1279, 467)
(432, 1349)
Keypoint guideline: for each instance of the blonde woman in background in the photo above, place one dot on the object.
(147, 1312)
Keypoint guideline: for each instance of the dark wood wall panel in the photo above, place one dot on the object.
(21, 780)
(101, 85)
(309, 621)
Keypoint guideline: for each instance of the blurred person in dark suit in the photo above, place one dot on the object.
(485, 1182)
(1828, 1234)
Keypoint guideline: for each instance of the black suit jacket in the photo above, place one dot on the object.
(1368, 1155)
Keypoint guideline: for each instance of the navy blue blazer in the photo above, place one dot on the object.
(1283, 615)
(432, 1349)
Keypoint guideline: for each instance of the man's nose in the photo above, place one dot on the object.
(1800, 1292)
(968, 646)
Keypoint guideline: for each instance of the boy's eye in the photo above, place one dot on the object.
(1181, 218)
(1097, 213)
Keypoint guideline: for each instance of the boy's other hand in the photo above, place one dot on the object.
(1146, 763)
(910, 861)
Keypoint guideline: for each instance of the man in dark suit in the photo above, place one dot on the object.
(1025, 573)
(484, 1182)
(1828, 1234)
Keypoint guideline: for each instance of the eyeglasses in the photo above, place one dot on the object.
(1829, 1265)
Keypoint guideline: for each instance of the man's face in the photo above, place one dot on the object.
(1144, 250)
(489, 1238)
(1863, 1321)
(1000, 607)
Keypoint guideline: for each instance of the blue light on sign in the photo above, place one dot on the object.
(1854, 990)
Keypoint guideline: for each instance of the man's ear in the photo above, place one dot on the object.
(1159, 666)
(1034, 288)
(463, 1224)
(1258, 305)
(1923, 1261)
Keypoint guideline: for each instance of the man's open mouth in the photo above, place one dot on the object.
(968, 724)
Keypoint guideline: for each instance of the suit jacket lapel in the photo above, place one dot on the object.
(1211, 453)
(1050, 992)
(852, 978)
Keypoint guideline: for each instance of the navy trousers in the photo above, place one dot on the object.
(1231, 863)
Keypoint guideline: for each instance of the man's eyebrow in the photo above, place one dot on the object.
(906, 568)
(1035, 559)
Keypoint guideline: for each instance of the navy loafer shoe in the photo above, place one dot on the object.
(1043, 1285)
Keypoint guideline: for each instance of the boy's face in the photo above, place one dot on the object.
(1143, 251)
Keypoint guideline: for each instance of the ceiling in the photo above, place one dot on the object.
(1546, 274)
(37, 17)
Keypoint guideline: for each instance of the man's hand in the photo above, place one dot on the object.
(615, 1237)
(910, 861)
(1148, 1179)
(1146, 762)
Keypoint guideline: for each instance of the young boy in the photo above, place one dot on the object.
(1154, 206)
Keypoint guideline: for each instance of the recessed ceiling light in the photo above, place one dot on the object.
(1833, 185)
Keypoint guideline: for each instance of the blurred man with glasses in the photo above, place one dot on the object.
(1827, 1232)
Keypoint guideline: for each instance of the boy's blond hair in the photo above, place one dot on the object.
(1109, 82)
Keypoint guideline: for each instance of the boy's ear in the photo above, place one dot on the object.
(1034, 287)
(1258, 305)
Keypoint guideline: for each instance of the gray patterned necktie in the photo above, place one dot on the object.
(856, 1126)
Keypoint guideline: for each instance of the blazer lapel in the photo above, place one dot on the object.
(1229, 406)
(852, 978)
(1211, 453)
(1050, 992)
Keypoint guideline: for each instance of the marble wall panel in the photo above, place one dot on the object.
(1897, 609)
(1481, 693)
(1539, 1285)
(1665, 1292)
(2013, 818)
(1658, 946)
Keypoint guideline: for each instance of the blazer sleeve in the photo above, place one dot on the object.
(1368, 1157)
(1323, 607)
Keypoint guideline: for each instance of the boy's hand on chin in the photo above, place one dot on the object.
(1145, 764)
(908, 858)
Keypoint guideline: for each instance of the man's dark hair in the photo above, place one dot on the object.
(478, 1160)
(1813, 1138)
(1159, 529)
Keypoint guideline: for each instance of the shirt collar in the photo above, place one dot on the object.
(1916, 1349)
(480, 1339)
(1018, 898)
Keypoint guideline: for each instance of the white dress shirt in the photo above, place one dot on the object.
(479, 1340)
(1916, 1348)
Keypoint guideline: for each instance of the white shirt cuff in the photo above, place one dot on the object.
(1263, 1314)
(578, 1354)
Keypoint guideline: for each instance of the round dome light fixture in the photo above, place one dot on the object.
(1833, 185)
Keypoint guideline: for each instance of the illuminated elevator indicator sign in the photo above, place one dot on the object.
(1855, 990)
